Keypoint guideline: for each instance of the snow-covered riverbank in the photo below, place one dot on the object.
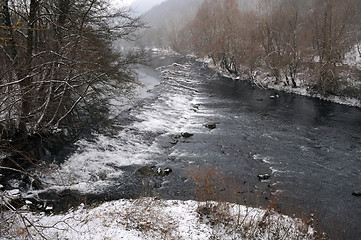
(303, 89)
(262, 79)
(148, 218)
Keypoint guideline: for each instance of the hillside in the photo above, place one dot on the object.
(141, 6)
(167, 19)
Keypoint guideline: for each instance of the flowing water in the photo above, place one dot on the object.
(310, 148)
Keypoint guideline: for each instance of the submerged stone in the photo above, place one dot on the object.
(211, 125)
(175, 136)
(186, 134)
(146, 171)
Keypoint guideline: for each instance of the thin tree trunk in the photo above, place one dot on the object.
(6, 21)
(25, 85)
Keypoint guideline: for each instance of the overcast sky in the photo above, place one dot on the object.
(141, 6)
(119, 2)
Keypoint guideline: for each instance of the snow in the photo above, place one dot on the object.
(8, 195)
(150, 218)
(98, 161)
(2, 157)
(261, 79)
(353, 58)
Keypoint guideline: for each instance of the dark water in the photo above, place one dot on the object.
(310, 148)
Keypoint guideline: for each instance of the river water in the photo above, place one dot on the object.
(310, 148)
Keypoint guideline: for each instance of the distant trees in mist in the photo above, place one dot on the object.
(285, 36)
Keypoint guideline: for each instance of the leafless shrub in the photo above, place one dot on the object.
(145, 215)
(237, 220)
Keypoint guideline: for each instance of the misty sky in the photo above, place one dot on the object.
(140, 6)
(121, 2)
(129, 2)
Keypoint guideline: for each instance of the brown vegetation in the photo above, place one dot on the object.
(217, 194)
(283, 37)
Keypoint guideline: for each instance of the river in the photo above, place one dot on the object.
(310, 148)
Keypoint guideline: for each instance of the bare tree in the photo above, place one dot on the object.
(330, 23)
(215, 32)
(281, 29)
(284, 37)
(57, 61)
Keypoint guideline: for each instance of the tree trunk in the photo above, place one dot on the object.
(24, 74)
(6, 21)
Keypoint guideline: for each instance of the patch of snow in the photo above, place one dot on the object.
(149, 219)
(207, 60)
(8, 195)
(3, 156)
(304, 148)
(303, 90)
(353, 58)
(274, 170)
(14, 193)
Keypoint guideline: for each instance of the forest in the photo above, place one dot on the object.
(288, 39)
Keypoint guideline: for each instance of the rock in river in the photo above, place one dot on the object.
(263, 176)
(186, 134)
(211, 125)
(167, 170)
(356, 193)
(150, 172)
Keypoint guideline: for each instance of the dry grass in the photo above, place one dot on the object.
(153, 217)
(212, 187)
(146, 215)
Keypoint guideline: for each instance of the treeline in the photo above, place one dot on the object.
(57, 63)
(285, 37)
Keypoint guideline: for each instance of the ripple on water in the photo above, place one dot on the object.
(98, 162)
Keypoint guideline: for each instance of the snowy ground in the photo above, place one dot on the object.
(262, 79)
(149, 218)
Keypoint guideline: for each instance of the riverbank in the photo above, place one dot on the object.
(298, 141)
(350, 85)
(154, 219)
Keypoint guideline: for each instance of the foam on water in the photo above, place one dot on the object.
(265, 159)
(98, 161)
